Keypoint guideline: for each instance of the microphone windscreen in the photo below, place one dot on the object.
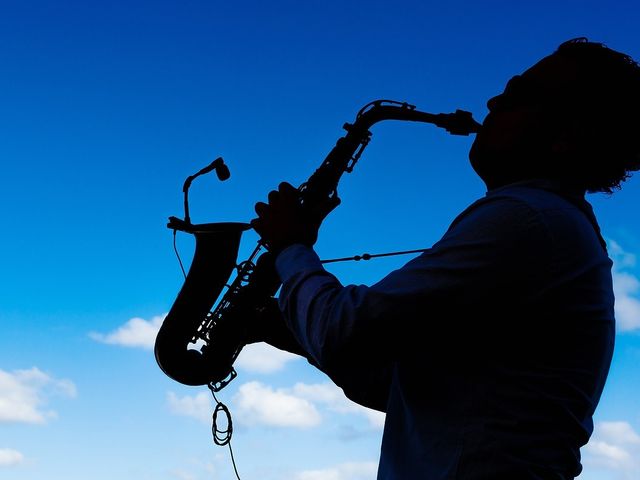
(223, 172)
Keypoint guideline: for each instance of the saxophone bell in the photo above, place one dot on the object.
(190, 319)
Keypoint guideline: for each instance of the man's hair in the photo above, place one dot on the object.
(605, 107)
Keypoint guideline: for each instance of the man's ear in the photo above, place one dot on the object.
(564, 143)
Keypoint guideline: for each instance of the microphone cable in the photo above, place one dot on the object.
(222, 437)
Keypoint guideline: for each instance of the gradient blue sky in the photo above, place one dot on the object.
(108, 106)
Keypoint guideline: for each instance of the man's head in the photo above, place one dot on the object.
(574, 116)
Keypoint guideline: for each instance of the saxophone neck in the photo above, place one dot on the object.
(459, 122)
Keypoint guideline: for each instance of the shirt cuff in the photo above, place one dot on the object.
(296, 258)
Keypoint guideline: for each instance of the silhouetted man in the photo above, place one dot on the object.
(488, 352)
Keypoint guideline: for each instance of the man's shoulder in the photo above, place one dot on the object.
(509, 207)
(528, 210)
(540, 194)
(531, 199)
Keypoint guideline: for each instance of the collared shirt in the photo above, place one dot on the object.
(488, 352)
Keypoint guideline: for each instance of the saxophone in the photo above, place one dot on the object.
(197, 345)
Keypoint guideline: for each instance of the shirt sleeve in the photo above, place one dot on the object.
(362, 380)
(475, 269)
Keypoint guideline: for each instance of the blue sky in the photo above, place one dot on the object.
(108, 106)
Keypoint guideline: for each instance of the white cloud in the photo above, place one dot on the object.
(137, 333)
(258, 404)
(345, 471)
(10, 457)
(263, 358)
(626, 288)
(335, 400)
(297, 407)
(614, 446)
(621, 258)
(199, 406)
(24, 394)
(618, 431)
(182, 475)
(214, 467)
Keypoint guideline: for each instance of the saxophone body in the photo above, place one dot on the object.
(198, 344)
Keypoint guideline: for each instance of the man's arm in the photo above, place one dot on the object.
(430, 303)
(437, 305)
(365, 383)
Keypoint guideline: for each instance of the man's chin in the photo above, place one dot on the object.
(490, 166)
(479, 158)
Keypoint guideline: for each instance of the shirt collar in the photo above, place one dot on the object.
(561, 187)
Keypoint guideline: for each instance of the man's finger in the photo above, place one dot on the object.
(261, 208)
(256, 224)
(288, 191)
(273, 197)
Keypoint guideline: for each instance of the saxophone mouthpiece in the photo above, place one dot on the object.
(459, 123)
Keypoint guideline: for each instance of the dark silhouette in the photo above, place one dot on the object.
(489, 351)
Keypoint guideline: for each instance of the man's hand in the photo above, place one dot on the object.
(283, 222)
